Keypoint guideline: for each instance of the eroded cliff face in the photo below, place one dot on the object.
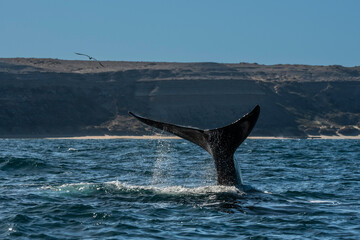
(50, 97)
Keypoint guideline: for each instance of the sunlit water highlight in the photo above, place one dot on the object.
(166, 189)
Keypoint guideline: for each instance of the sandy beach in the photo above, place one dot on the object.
(118, 137)
(158, 137)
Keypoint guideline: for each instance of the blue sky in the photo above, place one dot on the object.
(316, 32)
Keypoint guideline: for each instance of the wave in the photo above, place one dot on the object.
(119, 187)
(15, 163)
(223, 198)
(227, 199)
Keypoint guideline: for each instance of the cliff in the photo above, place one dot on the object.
(51, 97)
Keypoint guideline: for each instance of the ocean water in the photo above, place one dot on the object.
(166, 189)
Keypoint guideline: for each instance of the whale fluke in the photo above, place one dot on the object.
(221, 143)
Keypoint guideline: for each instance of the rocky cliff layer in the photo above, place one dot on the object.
(51, 97)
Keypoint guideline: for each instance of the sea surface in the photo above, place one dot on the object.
(166, 189)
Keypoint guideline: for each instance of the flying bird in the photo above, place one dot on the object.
(90, 58)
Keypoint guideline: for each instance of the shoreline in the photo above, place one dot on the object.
(164, 137)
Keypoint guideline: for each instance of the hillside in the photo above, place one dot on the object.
(51, 97)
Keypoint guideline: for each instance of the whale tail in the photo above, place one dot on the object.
(221, 143)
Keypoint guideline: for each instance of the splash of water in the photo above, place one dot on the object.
(238, 172)
(162, 164)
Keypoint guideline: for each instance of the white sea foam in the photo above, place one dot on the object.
(181, 189)
(315, 201)
(324, 201)
(72, 149)
(116, 185)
